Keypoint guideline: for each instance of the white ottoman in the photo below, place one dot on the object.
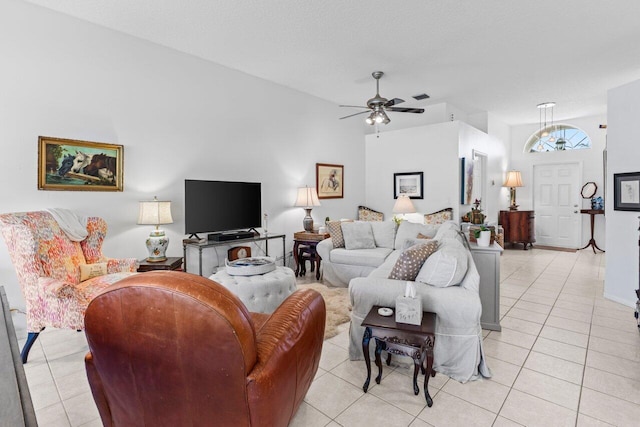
(262, 293)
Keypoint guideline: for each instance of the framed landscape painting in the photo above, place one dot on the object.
(329, 181)
(409, 183)
(626, 191)
(72, 165)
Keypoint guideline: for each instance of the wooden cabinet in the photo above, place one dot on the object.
(519, 227)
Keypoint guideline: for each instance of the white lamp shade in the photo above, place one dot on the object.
(514, 179)
(307, 198)
(403, 205)
(155, 212)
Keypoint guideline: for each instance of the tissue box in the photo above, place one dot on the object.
(408, 310)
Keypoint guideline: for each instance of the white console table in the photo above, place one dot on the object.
(16, 408)
(487, 260)
(212, 244)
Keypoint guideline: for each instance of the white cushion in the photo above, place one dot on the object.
(410, 230)
(358, 235)
(262, 293)
(366, 257)
(384, 233)
(448, 229)
(447, 266)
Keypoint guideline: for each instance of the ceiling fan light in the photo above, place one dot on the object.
(379, 118)
(369, 120)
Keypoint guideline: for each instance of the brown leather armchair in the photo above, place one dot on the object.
(175, 349)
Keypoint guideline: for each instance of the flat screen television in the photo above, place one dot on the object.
(217, 206)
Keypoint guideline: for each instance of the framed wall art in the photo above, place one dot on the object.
(329, 181)
(466, 181)
(72, 165)
(409, 183)
(626, 191)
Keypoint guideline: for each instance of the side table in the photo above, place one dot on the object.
(415, 341)
(172, 263)
(592, 242)
(309, 241)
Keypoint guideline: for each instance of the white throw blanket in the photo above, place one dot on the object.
(74, 227)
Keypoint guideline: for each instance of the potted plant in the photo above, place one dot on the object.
(483, 236)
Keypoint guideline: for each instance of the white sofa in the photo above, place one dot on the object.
(458, 351)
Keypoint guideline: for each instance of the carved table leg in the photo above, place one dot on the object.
(379, 347)
(388, 359)
(365, 351)
(416, 367)
(430, 372)
(296, 261)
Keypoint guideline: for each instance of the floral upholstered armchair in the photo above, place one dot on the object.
(51, 269)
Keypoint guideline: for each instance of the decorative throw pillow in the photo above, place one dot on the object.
(447, 266)
(410, 230)
(358, 235)
(335, 230)
(412, 242)
(89, 271)
(439, 217)
(410, 261)
(367, 214)
(384, 233)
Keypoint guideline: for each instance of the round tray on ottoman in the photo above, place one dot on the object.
(250, 266)
(260, 293)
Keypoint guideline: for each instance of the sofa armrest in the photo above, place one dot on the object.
(289, 346)
(118, 265)
(50, 287)
(324, 249)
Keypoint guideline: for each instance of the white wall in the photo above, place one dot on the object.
(623, 110)
(592, 168)
(434, 150)
(176, 115)
(431, 149)
(496, 151)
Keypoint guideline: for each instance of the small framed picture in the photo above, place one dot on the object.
(329, 181)
(72, 165)
(626, 191)
(409, 183)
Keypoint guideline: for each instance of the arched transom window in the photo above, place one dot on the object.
(557, 137)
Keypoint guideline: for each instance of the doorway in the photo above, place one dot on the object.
(556, 200)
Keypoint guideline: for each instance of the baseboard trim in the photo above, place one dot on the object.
(554, 248)
(629, 303)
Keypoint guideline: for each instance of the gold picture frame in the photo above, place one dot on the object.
(329, 181)
(74, 165)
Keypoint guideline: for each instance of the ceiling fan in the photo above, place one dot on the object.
(378, 106)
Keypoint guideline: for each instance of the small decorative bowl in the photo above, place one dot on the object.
(385, 311)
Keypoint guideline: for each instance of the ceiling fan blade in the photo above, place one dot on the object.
(394, 101)
(406, 110)
(354, 106)
(356, 114)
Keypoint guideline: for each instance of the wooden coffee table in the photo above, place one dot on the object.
(415, 341)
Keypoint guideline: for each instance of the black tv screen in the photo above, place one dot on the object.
(215, 206)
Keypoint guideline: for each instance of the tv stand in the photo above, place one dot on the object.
(193, 236)
(212, 244)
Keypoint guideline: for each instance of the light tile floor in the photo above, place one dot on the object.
(565, 356)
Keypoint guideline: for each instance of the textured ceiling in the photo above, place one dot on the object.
(500, 56)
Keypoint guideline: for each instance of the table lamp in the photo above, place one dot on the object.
(307, 199)
(156, 212)
(514, 179)
(403, 205)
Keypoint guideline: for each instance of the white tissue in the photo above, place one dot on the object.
(410, 290)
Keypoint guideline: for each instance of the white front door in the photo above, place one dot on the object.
(556, 200)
